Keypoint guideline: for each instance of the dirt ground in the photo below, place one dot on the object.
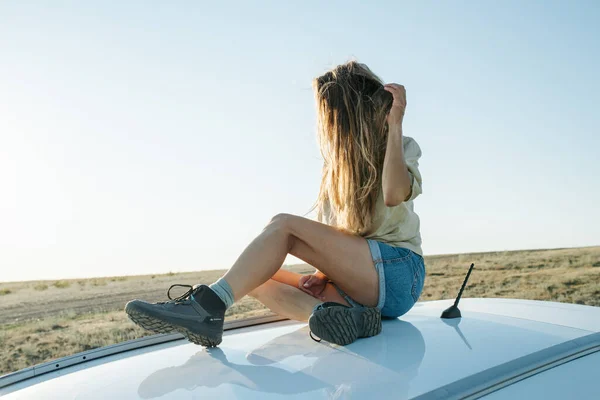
(43, 320)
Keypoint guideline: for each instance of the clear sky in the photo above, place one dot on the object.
(146, 136)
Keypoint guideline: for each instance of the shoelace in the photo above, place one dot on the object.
(183, 296)
(190, 290)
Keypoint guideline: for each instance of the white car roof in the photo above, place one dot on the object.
(577, 379)
(417, 355)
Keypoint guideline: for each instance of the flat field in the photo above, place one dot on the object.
(44, 320)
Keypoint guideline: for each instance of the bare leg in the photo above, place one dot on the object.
(287, 300)
(344, 258)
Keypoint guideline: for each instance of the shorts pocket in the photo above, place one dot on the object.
(398, 254)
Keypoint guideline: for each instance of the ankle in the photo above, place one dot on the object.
(223, 291)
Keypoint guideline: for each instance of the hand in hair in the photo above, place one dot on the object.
(396, 114)
(313, 284)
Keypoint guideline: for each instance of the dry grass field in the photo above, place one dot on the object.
(44, 320)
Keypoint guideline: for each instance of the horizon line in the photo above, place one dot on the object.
(284, 265)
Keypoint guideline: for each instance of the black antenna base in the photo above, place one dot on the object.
(451, 312)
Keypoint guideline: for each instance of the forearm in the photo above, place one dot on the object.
(287, 277)
(292, 278)
(396, 178)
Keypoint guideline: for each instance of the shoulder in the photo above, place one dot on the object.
(411, 147)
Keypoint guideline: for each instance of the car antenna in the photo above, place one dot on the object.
(453, 311)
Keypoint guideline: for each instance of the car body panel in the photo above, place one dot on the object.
(577, 379)
(413, 355)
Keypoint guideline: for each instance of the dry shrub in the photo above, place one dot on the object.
(61, 284)
(565, 275)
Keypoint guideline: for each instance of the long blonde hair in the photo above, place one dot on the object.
(351, 114)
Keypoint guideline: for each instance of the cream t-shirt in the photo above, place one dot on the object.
(399, 225)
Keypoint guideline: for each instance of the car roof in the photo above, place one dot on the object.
(577, 379)
(416, 355)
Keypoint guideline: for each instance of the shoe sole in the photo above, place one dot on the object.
(156, 325)
(337, 325)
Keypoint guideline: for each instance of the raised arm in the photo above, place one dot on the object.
(396, 179)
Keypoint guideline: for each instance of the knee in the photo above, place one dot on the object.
(281, 223)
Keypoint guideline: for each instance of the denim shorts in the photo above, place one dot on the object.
(401, 277)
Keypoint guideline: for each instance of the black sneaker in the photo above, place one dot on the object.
(339, 324)
(198, 315)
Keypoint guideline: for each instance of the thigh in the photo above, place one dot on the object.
(344, 258)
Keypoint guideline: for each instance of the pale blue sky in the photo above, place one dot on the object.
(142, 137)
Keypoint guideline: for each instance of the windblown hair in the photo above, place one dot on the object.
(352, 107)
